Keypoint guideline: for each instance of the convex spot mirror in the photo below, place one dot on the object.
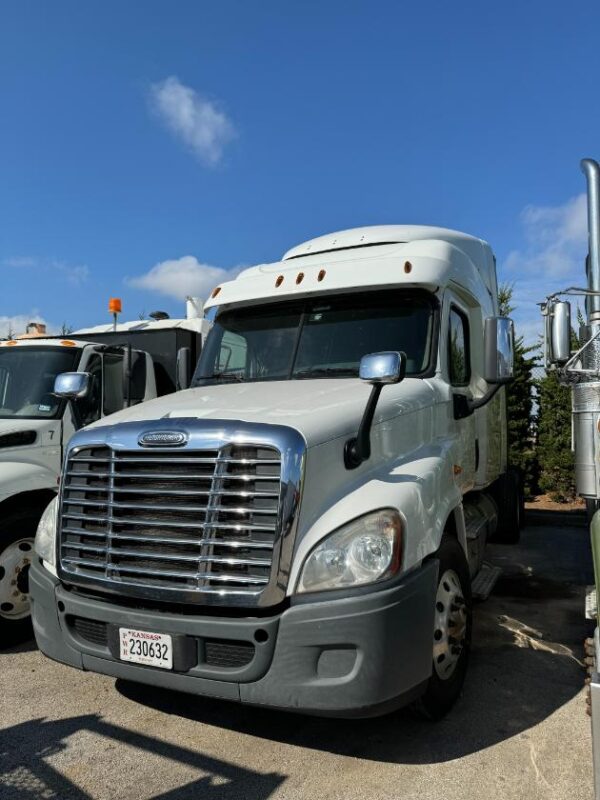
(183, 367)
(72, 385)
(499, 349)
(558, 332)
(382, 368)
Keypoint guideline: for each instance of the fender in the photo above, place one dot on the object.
(18, 477)
(420, 486)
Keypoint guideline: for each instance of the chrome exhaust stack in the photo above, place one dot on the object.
(591, 170)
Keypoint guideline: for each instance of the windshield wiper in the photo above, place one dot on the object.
(216, 376)
(326, 372)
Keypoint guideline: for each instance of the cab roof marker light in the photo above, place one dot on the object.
(216, 291)
(321, 275)
(279, 281)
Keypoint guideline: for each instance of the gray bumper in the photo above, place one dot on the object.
(349, 656)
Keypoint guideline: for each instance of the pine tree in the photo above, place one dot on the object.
(555, 458)
(519, 403)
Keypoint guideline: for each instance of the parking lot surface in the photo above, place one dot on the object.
(519, 731)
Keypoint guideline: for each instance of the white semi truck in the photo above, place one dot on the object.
(127, 364)
(301, 528)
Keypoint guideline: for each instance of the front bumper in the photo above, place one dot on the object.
(352, 656)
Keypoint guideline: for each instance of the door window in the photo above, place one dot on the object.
(459, 366)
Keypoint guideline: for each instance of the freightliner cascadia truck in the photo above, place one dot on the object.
(127, 364)
(301, 528)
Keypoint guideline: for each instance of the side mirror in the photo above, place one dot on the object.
(72, 385)
(499, 350)
(183, 367)
(378, 369)
(558, 332)
(382, 368)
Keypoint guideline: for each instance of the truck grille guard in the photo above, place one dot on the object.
(210, 521)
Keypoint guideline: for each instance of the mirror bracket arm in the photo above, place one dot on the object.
(464, 406)
(76, 414)
(358, 449)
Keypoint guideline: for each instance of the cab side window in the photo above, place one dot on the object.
(459, 366)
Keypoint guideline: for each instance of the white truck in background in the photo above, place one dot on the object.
(127, 364)
(301, 528)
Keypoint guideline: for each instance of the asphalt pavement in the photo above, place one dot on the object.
(519, 731)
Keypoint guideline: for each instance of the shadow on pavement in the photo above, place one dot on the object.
(526, 663)
(25, 773)
(27, 646)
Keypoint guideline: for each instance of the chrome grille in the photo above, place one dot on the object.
(187, 521)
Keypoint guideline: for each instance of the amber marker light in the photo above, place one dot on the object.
(216, 291)
(11, 343)
(68, 343)
(279, 281)
(299, 278)
(114, 307)
(407, 267)
(321, 275)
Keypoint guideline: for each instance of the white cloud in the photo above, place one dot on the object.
(182, 277)
(552, 258)
(17, 262)
(18, 323)
(193, 119)
(75, 274)
(555, 237)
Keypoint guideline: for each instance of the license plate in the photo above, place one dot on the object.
(144, 647)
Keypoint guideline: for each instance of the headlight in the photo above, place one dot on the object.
(363, 551)
(45, 538)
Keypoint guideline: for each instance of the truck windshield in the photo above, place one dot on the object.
(27, 380)
(317, 338)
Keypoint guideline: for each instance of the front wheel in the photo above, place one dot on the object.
(17, 532)
(451, 638)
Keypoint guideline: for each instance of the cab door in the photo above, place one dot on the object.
(459, 372)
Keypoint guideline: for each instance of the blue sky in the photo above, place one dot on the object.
(146, 148)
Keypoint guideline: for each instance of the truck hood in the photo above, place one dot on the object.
(320, 410)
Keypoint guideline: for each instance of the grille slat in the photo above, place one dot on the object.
(161, 507)
(126, 537)
(165, 460)
(176, 492)
(173, 520)
(152, 523)
(161, 556)
(219, 577)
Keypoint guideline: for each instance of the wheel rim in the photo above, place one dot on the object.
(15, 561)
(450, 625)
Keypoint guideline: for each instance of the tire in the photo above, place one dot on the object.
(449, 667)
(509, 497)
(17, 532)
